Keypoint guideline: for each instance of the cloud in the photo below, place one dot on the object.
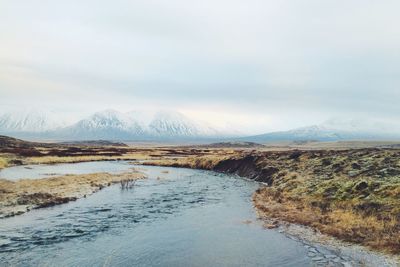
(295, 62)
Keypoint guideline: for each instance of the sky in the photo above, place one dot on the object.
(255, 65)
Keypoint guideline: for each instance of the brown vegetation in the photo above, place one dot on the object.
(3, 163)
(350, 194)
(20, 196)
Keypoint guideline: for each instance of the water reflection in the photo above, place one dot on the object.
(180, 218)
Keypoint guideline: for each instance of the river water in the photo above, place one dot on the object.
(176, 217)
(45, 170)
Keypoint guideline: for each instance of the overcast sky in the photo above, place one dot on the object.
(259, 65)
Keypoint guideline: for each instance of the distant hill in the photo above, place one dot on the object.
(234, 144)
(94, 143)
(332, 130)
(11, 142)
(6, 141)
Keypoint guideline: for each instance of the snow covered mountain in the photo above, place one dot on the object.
(33, 121)
(114, 125)
(175, 124)
(334, 130)
(171, 125)
(109, 125)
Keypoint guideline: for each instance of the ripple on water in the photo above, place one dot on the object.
(190, 212)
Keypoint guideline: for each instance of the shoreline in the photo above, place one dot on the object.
(334, 192)
(18, 197)
(320, 247)
(323, 249)
(271, 167)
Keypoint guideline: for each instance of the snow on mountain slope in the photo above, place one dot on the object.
(114, 125)
(169, 125)
(34, 121)
(107, 124)
(110, 119)
(313, 132)
(175, 124)
(333, 130)
(362, 125)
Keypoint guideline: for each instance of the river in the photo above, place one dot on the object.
(176, 217)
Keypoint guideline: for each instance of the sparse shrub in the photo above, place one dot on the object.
(127, 183)
(326, 162)
(295, 155)
(356, 166)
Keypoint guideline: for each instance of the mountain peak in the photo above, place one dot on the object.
(30, 120)
(334, 130)
(173, 124)
(108, 124)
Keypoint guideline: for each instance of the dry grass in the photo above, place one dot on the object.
(74, 159)
(195, 161)
(20, 196)
(350, 194)
(341, 221)
(3, 163)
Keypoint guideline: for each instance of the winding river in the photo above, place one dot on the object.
(176, 217)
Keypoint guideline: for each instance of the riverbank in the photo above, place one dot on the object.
(15, 152)
(173, 218)
(329, 251)
(353, 195)
(18, 197)
(349, 194)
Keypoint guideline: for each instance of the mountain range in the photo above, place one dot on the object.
(174, 126)
(334, 130)
(108, 125)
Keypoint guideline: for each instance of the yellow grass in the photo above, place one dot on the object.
(352, 194)
(341, 221)
(19, 196)
(54, 159)
(315, 189)
(3, 162)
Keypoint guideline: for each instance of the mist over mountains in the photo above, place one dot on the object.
(174, 126)
(335, 130)
(30, 121)
(108, 125)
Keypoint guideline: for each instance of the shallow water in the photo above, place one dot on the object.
(180, 218)
(45, 170)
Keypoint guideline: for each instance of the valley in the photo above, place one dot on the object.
(351, 194)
